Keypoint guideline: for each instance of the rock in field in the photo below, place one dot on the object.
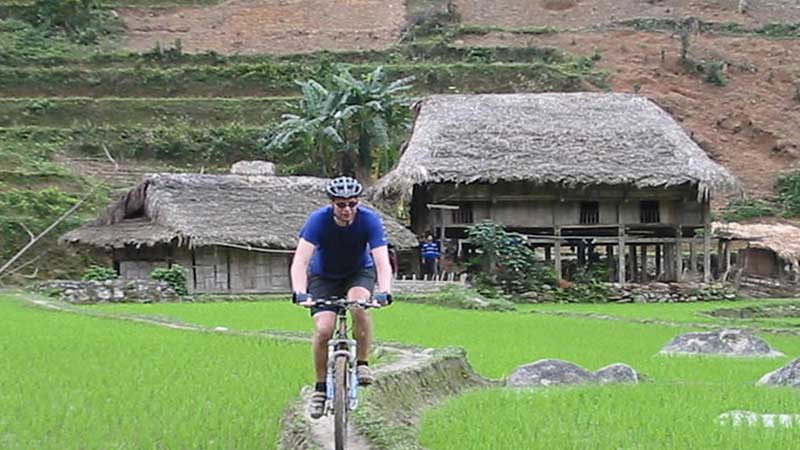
(617, 373)
(555, 372)
(549, 372)
(738, 418)
(788, 375)
(723, 343)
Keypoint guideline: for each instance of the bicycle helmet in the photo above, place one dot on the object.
(343, 187)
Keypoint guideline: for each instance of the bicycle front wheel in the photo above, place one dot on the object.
(341, 381)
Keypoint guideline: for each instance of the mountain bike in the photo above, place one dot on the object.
(341, 378)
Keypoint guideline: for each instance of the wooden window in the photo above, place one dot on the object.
(463, 214)
(648, 211)
(590, 213)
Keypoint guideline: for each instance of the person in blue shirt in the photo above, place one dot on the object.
(430, 253)
(342, 252)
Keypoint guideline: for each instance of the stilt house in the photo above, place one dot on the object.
(585, 177)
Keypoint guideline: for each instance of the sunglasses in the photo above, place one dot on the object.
(343, 205)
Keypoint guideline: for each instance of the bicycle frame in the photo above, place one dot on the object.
(342, 345)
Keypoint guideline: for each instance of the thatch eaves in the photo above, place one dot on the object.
(783, 239)
(571, 139)
(196, 210)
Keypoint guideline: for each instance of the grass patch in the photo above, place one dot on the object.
(772, 30)
(676, 408)
(278, 79)
(65, 53)
(77, 382)
(147, 112)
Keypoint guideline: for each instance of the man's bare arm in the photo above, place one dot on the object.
(299, 269)
(384, 270)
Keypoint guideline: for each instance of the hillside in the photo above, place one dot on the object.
(192, 85)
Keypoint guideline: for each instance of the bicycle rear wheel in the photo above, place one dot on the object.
(341, 381)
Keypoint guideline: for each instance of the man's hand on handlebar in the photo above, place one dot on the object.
(379, 299)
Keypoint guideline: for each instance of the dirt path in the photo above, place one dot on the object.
(268, 26)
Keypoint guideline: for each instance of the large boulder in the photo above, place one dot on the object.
(728, 342)
(555, 372)
(788, 375)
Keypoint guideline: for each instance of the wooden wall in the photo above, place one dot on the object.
(527, 205)
(212, 269)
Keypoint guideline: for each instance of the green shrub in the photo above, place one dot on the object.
(506, 261)
(788, 189)
(460, 297)
(174, 276)
(740, 210)
(592, 292)
(714, 73)
(99, 273)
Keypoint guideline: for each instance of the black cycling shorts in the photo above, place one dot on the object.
(320, 287)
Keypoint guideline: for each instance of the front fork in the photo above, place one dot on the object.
(342, 347)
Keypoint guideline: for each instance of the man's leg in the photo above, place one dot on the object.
(323, 330)
(362, 323)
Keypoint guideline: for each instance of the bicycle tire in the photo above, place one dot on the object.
(341, 381)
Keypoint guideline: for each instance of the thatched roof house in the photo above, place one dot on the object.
(570, 139)
(210, 221)
(561, 168)
(770, 248)
(782, 239)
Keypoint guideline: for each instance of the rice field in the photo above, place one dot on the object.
(73, 382)
(676, 408)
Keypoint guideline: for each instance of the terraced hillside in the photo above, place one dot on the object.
(192, 85)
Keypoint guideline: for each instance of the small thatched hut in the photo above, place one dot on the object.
(234, 233)
(585, 170)
(765, 250)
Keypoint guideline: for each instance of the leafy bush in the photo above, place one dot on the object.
(788, 188)
(592, 292)
(462, 297)
(33, 210)
(506, 261)
(82, 20)
(174, 276)
(99, 273)
(714, 73)
(740, 210)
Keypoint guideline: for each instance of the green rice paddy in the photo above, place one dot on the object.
(677, 407)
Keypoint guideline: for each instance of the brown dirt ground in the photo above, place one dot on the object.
(751, 125)
(268, 26)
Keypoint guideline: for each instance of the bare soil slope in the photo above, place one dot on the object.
(268, 26)
(751, 124)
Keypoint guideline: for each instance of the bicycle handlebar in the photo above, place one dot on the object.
(342, 302)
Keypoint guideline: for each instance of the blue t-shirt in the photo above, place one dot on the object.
(429, 250)
(342, 251)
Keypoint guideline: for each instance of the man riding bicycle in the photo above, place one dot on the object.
(341, 248)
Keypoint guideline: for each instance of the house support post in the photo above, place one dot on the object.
(610, 262)
(679, 253)
(634, 263)
(707, 253)
(706, 242)
(621, 258)
(643, 277)
(669, 262)
(692, 258)
(557, 249)
(658, 260)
